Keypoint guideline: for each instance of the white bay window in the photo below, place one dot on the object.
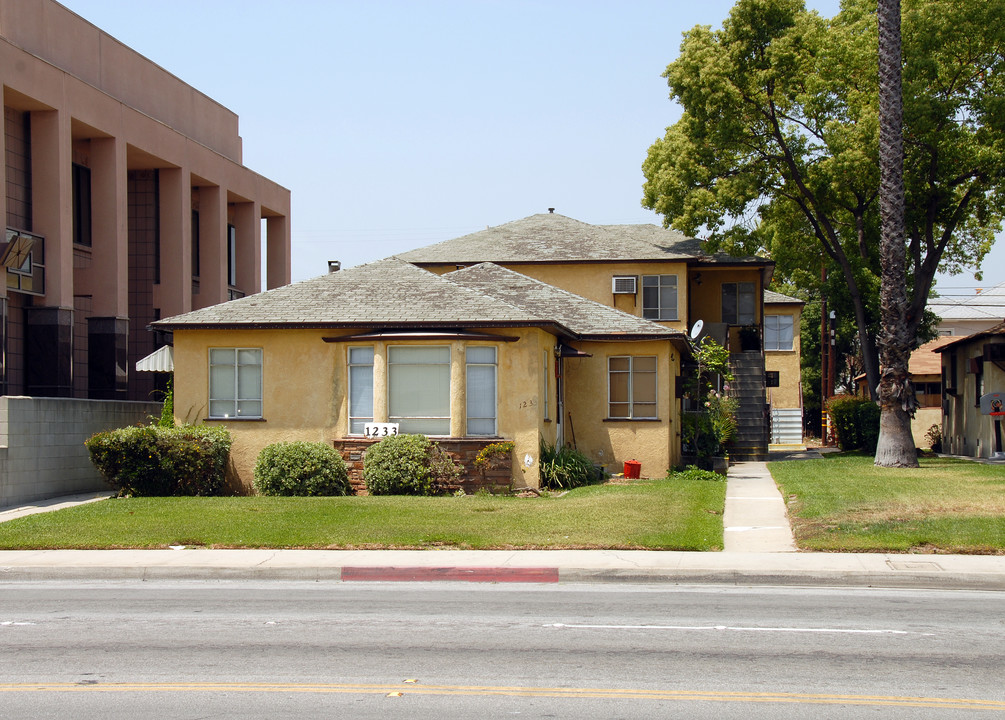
(418, 389)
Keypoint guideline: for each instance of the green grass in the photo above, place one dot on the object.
(651, 514)
(845, 503)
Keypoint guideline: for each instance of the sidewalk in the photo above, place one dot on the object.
(759, 551)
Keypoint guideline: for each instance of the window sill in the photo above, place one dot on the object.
(233, 419)
(617, 420)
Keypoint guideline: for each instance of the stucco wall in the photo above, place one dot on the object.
(305, 389)
(42, 453)
(654, 443)
(788, 394)
(305, 380)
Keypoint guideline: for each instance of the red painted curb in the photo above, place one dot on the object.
(457, 574)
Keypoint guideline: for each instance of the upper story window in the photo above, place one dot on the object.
(235, 383)
(739, 303)
(360, 389)
(631, 387)
(481, 390)
(777, 332)
(659, 297)
(81, 205)
(231, 255)
(418, 389)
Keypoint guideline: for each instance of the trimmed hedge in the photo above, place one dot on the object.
(856, 421)
(408, 465)
(156, 461)
(301, 468)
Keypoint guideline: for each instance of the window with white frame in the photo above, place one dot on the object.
(235, 383)
(418, 389)
(659, 297)
(481, 390)
(777, 332)
(631, 387)
(360, 389)
(738, 303)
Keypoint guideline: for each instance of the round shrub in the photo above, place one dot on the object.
(399, 465)
(301, 468)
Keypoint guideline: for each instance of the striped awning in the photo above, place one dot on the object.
(161, 360)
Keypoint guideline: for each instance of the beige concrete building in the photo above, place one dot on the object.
(126, 201)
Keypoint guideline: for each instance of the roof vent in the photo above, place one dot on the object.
(551, 210)
(334, 266)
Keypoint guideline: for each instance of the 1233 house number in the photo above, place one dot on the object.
(380, 430)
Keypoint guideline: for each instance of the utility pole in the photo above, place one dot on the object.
(825, 352)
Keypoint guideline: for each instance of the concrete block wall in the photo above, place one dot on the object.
(42, 453)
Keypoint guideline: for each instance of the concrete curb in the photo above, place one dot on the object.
(865, 570)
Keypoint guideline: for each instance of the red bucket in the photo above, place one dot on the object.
(633, 469)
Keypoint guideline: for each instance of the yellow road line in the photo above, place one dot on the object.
(492, 690)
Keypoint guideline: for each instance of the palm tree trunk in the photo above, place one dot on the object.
(896, 395)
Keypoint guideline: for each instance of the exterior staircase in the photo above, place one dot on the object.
(751, 440)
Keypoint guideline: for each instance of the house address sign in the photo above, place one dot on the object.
(380, 430)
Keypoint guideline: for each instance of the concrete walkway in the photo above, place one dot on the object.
(755, 518)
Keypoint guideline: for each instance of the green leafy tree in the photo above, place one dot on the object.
(777, 150)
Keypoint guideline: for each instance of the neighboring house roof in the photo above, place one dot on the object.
(395, 294)
(986, 305)
(773, 298)
(925, 360)
(584, 317)
(554, 238)
(998, 329)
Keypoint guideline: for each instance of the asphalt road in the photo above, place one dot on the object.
(446, 650)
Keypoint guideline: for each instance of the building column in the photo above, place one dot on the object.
(278, 252)
(173, 294)
(49, 327)
(108, 326)
(212, 245)
(458, 390)
(247, 220)
(3, 272)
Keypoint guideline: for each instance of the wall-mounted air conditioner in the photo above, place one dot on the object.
(624, 284)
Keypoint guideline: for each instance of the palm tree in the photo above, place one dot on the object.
(896, 395)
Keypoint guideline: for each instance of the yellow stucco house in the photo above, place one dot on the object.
(783, 373)
(470, 357)
(644, 270)
(545, 328)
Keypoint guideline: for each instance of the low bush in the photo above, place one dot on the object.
(408, 465)
(566, 467)
(856, 421)
(301, 468)
(157, 461)
(694, 473)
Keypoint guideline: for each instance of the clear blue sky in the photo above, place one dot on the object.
(397, 124)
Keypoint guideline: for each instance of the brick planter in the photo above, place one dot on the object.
(462, 450)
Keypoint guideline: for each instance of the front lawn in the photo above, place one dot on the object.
(660, 514)
(845, 503)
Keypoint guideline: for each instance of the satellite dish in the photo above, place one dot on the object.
(696, 329)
